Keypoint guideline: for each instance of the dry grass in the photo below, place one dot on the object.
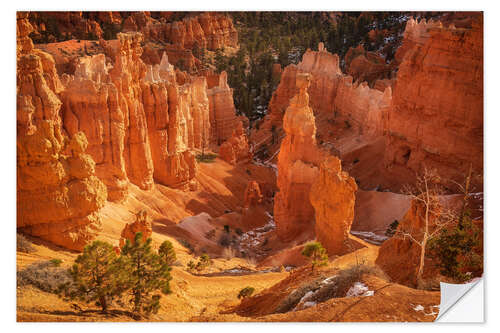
(24, 245)
(44, 275)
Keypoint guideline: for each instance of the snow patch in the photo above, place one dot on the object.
(359, 289)
(370, 237)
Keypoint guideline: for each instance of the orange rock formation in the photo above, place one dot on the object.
(208, 30)
(331, 91)
(253, 195)
(366, 66)
(437, 108)
(141, 224)
(236, 148)
(332, 196)
(58, 195)
(223, 118)
(298, 164)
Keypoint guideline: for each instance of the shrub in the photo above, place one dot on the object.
(239, 232)
(224, 240)
(24, 245)
(206, 158)
(203, 262)
(391, 229)
(226, 228)
(56, 262)
(317, 253)
(187, 245)
(191, 265)
(43, 275)
(246, 292)
(347, 124)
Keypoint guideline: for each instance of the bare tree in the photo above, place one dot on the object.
(426, 195)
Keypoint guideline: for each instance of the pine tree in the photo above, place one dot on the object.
(317, 253)
(148, 274)
(96, 275)
(167, 252)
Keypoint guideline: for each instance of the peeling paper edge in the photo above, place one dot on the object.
(454, 305)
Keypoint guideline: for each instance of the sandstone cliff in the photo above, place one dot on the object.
(142, 124)
(208, 30)
(332, 196)
(58, 195)
(298, 163)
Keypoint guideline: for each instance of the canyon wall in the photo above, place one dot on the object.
(333, 196)
(58, 194)
(298, 166)
(436, 118)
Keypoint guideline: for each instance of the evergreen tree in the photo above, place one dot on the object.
(167, 253)
(317, 253)
(97, 275)
(148, 274)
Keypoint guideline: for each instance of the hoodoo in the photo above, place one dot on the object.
(298, 165)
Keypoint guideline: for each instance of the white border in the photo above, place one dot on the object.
(8, 151)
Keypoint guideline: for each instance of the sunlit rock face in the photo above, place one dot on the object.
(58, 195)
(298, 163)
(333, 196)
(436, 117)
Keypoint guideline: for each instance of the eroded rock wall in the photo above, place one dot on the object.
(58, 194)
(436, 118)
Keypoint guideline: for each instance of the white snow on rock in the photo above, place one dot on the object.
(359, 289)
(418, 308)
